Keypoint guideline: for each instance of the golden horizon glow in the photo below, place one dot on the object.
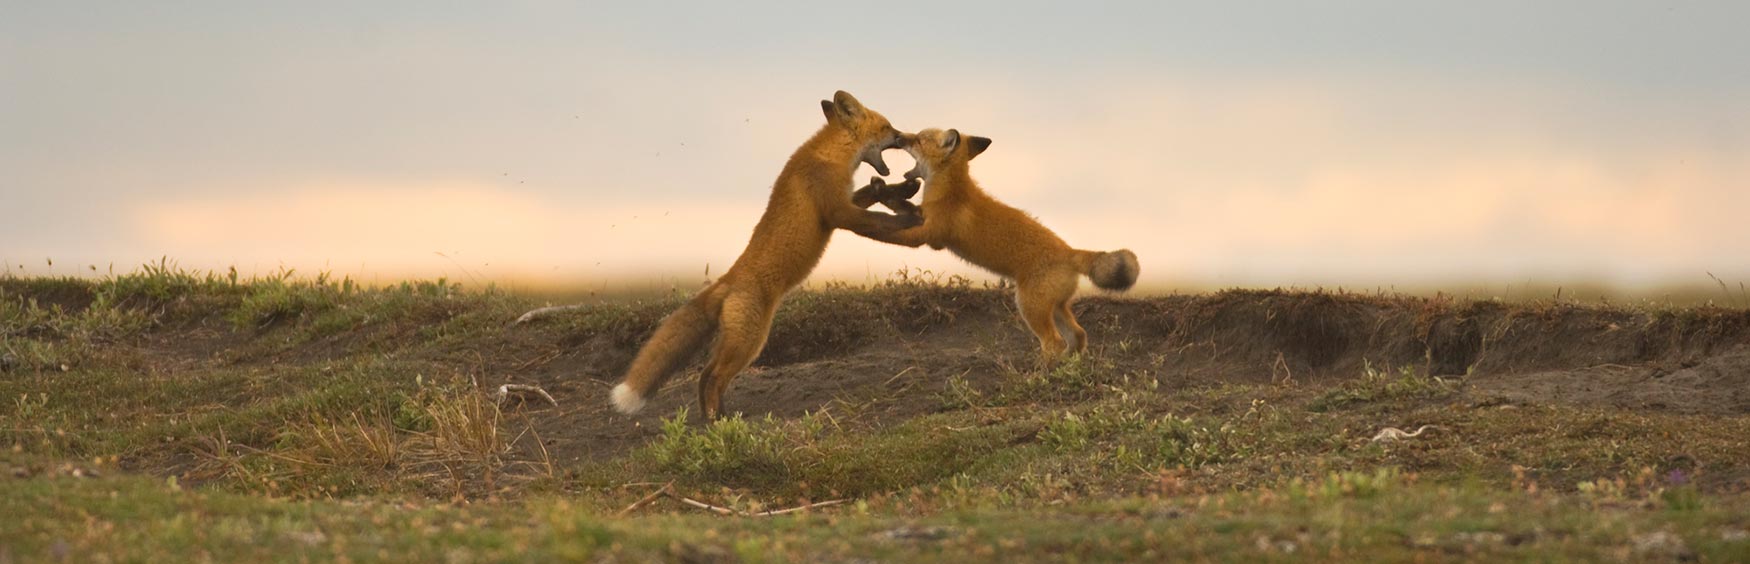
(1239, 157)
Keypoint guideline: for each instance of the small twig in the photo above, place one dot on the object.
(667, 490)
(1281, 362)
(664, 490)
(640, 484)
(546, 457)
(707, 506)
(896, 376)
(541, 359)
(541, 312)
(728, 511)
(271, 454)
(795, 509)
(1394, 433)
(504, 392)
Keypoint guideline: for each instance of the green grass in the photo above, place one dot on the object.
(1376, 385)
(1377, 515)
(166, 415)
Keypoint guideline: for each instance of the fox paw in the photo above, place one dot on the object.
(902, 191)
(904, 208)
(909, 217)
(874, 192)
(880, 190)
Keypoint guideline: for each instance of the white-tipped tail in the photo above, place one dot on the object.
(626, 400)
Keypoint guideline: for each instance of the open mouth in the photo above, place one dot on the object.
(873, 157)
(873, 154)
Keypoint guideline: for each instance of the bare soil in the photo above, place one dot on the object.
(1688, 361)
(883, 355)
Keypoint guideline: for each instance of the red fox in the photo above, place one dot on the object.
(960, 216)
(810, 199)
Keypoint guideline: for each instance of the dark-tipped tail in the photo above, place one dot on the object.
(680, 333)
(1115, 270)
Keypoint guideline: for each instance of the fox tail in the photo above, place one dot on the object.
(680, 333)
(1115, 270)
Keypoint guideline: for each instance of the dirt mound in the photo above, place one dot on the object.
(1320, 335)
(883, 354)
(883, 358)
(1713, 384)
(66, 294)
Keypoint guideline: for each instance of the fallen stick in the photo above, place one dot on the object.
(664, 490)
(640, 484)
(738, 513)
(896, 376)
(540, 359)
(797, 508)
(1394, 433)
(541, 312)
(504, 392)
(667, 490)
(707, 506)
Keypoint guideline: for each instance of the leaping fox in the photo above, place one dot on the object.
(810, 199)
(961, 217)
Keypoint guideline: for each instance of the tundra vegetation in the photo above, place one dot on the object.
(167, 415)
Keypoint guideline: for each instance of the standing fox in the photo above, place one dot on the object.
(810, 199)
(960, 216)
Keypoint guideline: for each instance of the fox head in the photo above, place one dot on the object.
(869, 130)
(935, 150)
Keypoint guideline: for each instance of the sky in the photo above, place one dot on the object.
(1361, 143)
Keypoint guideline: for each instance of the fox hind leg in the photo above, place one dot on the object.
(1036, 311)
(746, 321)
(1067, 326)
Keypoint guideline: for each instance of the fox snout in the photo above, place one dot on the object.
(904, 141)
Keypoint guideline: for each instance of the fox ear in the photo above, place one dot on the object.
(950, 140)
(826, 108)
(847, 105)
(976, 145)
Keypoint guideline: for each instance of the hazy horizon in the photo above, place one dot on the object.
(1367, 144)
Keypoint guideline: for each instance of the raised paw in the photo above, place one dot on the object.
(902, 191)
(909, 217)
(869, 195)
(904, 208)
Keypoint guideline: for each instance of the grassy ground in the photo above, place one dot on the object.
(170, 416)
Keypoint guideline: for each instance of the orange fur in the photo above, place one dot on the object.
(961, 217)
(810, 199)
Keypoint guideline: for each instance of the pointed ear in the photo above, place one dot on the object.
(847, 105)
(976, 145)
(826, 108)
(950, 140)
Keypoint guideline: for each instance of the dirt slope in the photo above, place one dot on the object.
(1690, 361)
(887, 353)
